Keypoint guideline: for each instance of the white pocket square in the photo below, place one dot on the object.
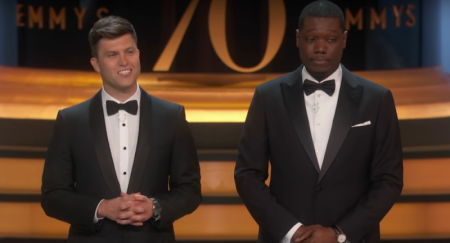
(362, 124)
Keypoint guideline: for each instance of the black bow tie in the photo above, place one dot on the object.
(113, 107)
(326, 86)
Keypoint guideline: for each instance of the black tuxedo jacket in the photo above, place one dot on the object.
(361, 175)
(79, 171)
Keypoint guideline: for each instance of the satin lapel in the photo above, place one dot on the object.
(295, 104)
(143, 143)
(98, 129)
(347, 106)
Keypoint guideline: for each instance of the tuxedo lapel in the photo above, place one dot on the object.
(143, 144)
(347, 106)
(98, 129)
(294, 101)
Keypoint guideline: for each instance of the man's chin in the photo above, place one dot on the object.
(126, 82)
(318, 70)
(125, 86)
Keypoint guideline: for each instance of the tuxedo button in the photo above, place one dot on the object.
(125, 173)
(124, 148)
(123, 124)
(318, 188)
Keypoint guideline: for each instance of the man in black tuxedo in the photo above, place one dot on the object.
(332, 139)
(121, 166)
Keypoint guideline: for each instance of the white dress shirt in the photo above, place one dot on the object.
(320, 108)
(122, 130)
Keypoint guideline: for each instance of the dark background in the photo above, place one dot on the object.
(247, 27)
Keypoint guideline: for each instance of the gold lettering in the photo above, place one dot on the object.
(398, 14)
(19, 15)
(353, 20)
(412, 19)
(35, 17)
(80, 16)
(377, 19)
(100, 11)
(57, 18)
(165, 60)
(217, 33)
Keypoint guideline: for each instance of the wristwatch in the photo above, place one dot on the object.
(341, 237)
(156, 210)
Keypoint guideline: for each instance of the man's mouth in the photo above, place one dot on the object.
(319, 60)
(124, 72)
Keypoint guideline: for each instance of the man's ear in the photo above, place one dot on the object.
(345, 39)
(95, 65)
(297, 38)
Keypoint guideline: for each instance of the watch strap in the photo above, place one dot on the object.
(339, 232)
(339, 228)
(336, 230)
(156, 209)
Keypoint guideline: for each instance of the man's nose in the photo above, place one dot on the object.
(123, 60)
(320, 46)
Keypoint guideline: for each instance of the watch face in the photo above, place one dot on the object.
(156, 207)
(342, 238)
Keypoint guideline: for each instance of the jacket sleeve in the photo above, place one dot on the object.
(59, 199)
(251, 173)
(184, 195)
(386, 176)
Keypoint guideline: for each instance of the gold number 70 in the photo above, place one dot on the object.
(217, 34)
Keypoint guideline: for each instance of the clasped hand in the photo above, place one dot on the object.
(132, 209)
(314, 234)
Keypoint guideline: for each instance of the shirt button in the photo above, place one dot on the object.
(317, 151)
(123, 125)
(124, 172)
(124, 148)
(318, 95)
(318, 123)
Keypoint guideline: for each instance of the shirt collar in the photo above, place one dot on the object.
(337, 75)
(136, 96)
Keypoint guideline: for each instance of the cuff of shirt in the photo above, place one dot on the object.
(287, 238)
(95, 215)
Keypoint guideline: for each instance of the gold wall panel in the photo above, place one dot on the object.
(421, 176)
(404, 221)
(40, 93)
(218, 178)
(21, 176)
(417, 220)
(29, 220)
(426, 176)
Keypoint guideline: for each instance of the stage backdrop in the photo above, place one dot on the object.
(220, 36)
